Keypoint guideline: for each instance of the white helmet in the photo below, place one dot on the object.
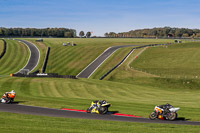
(12, 91)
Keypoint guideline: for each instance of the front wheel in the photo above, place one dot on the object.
(88, 110)
(172, 116)
(153, 116)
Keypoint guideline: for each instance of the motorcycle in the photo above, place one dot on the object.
(8, 97)
(99, 107)
(168, 113)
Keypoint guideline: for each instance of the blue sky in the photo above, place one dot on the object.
(100, 16)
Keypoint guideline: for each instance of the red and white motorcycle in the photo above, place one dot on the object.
(164, 112)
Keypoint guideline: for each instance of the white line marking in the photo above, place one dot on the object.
(30, 56)
(93, 61)
(101, 63)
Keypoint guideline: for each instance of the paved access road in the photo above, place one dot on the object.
(15, 108)
(34, 56)
(85, 73)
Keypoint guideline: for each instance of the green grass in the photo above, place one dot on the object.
(180, 60)
(130, 91)
(137, 99)
(72, 60)
(20, 123)
(15, 58)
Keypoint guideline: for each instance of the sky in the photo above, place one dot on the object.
(100, 16)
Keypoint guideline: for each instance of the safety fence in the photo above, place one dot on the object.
(149, 45)
(45, 60)
(46, 75)
(4, 49)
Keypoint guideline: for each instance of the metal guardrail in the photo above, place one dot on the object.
(45, 60)
(46, 75)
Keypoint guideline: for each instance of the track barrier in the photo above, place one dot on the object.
(44, 75)
(4, 49)
(45, 60)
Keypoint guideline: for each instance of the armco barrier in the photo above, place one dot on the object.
(45, 75)
(45, 60)
(4, 49)
(149, 45)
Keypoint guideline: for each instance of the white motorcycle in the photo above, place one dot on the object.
(164, 112)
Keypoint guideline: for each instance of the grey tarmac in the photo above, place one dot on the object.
(34, 56)
(33, 110)
(85, 73)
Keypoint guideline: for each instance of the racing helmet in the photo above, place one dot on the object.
(103, 101)
(12, 91)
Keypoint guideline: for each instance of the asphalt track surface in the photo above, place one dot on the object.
(85, 73)
(22, 109)
(34, 56)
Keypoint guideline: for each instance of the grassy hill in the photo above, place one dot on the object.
(15, 58)
(72, 60)
(129, 88)
(178, 61)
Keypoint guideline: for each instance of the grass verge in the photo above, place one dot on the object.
(15, 58)
(40, 124)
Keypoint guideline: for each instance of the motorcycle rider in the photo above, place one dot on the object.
(6, 94)
(98, 101)
(165, 107)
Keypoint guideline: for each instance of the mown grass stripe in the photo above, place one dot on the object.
(14, 59)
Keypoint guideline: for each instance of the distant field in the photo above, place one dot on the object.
(178, 61)
(41, 124)
(72, 60)
(15, 58)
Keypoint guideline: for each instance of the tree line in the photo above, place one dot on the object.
(34, 32)
(158, 32)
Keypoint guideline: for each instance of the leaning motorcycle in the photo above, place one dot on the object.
(8, 97)
(160, 113)
(99, 107)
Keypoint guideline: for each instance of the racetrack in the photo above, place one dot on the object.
(85, 73)
(15, 108)
(34, 56)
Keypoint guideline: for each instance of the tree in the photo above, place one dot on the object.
(88, 34)
(106, 34)
(1, 32)
(68, 34)
(81, 34)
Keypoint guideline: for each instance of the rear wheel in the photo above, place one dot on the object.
(172, 116)
(8, 101)
(103, 110)
(153, 116)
